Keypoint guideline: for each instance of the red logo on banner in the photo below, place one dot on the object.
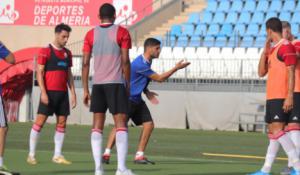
(8, 15)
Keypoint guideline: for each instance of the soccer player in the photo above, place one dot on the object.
(141, 75)
(54, 76)
(278, 61)
(109, 44)
(7, 56)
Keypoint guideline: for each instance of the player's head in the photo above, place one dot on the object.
(286, 30)
(107, 12)
(273, 27)
(152, 47)
(62, 33)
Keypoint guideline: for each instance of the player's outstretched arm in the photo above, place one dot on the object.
(85, 77)
(263, 62)
(162, 77)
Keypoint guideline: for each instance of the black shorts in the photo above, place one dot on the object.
(295, 113)
(274, 111)
(58, 104)
(109, 96)
(139, 113)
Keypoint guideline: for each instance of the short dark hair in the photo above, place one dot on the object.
(60, 27)
(285, 24)
(151, 42)
(274, 24)
(107, 11)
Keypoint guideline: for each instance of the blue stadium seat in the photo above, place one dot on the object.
(285, 16)
(213, 30)
(207, 17)
(296, 18)
(252, 30)
(262, 31)
(298, 6)
(250, 6)
(260, 41)
(212, 6)
(232, 42)
(224, 6)
(276, 5)
(221, 41)
(182, 41)
(175, 30)
(237, 6)
(247, 41)
(240, 29)
(195, 41)
(231, 18)
(187, 29)
(244, 18)
(270, 15)
(295, 28)
(226, 30)
(258, 18)
(263, 5)
(201, 30)
(289, 5)
(194, 18)
(219, 18)
(209, 41)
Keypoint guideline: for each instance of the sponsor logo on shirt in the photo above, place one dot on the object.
(62, 64)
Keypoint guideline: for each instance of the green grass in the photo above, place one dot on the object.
(176, 152)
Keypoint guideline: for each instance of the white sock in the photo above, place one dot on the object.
(289, 148)
(107, 151)
(122, 147)
(58, 142)
(139, 154)
(295, 137)
(1, 161)
(34, 136)
(96, 141)
(272, 150)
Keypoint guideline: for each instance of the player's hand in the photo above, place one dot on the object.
(86, 99)
(73, 100)
(182, 64)
(288, 104)
(44, 98)
(267, 45)
(152, 97)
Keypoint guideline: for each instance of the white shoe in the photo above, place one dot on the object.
(126, 172)
(99, 173)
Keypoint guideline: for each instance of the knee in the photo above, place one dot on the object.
(37, 127)
(149, 125)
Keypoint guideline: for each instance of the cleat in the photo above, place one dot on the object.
(142, 160)
(31, 160)
(286, 171)
(126, 172)
(259, 173)
(61, 160)
(105, 158)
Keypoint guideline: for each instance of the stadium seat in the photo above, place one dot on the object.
(237, 5)
(187, 29)
(296, 18)
(262, 31)
(194, 18)
(258, 18)
(250, 6)
(212, 6)
(195, 41)
(219, 18)
(224, 6)
(193, 69)
(252, 30)
(240, 29)
(221, 41)
(200, 30)
(77, 64)
(166, 53)
(295, 28)
(285, 16)
(202, 53)
(227, 53)
(157, 66)
(297, 7)
(213, 30)
(249, 68)
(263, 5)
(231, 18)
(233, 68)
(247, 41)
(270, 15)
(140, 50)
(133, 52)
(244, 18)
(178, 53)
(172, 41)
(252, 53)
(182, 41)
(209, 41)
(206, 17)
(226, 30)
(260, 41)
(175, 30)
(276, 5)
(206, 69)
(289, 5)
(168, 65)
(215, 53)
(190, 53)
(218, 68)
(233, 41)
(240, 53)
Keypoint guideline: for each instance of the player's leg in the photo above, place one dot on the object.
(110, 144)
(3, 132)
